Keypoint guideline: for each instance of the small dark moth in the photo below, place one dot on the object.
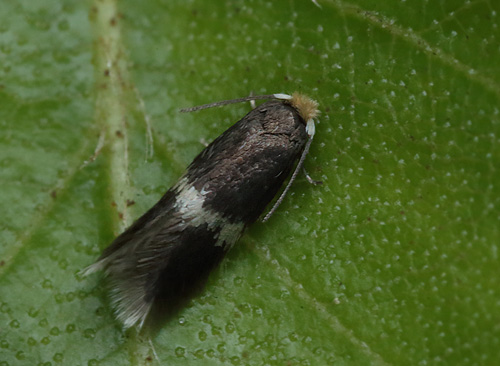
(170, 250)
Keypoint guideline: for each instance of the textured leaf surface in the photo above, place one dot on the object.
(393, 261)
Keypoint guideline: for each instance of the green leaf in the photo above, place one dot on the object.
(393, 261)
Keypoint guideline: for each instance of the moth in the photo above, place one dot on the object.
(169, 251)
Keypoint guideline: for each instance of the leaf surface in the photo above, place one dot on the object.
(393, 261)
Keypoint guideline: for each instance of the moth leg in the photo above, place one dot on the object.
(97, 150)
(252, 101)
(154, 350)
(204, 142)
(310, 180)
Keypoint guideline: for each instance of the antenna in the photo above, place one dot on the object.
(310, 131)
(238, 100)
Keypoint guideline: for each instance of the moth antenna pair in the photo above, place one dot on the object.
(307, 109)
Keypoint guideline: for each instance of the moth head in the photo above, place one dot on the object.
(307, 107)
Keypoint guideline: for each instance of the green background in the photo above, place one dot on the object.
(393, 261)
